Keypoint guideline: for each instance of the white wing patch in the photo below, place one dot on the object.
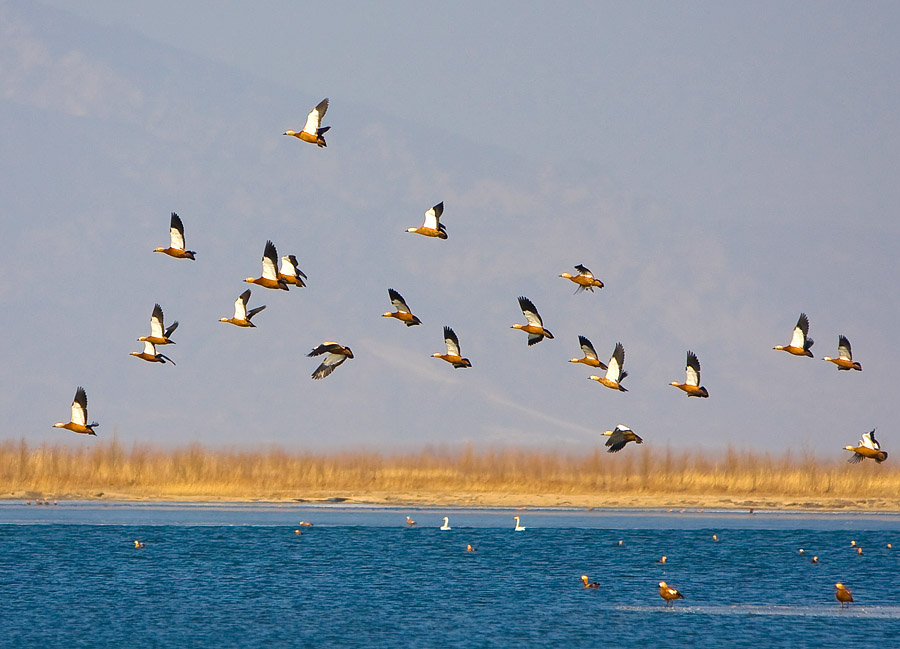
(269, 270)
(79, 414)
(176, 239)
(798, 340)
(314, 119)
(240, 307)
(692, 377)
(149, 348)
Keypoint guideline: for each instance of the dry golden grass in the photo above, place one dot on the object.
(636, 477)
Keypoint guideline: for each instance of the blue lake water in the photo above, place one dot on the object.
(238, 576)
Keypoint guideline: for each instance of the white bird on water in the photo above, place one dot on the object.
(446, 525)
(519, 528)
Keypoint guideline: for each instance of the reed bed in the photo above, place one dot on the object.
(196, 472)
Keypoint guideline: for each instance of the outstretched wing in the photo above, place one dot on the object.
(240, 305)
(397, 301)
(451, 341)
(616, 363)
(530, 311)
(79, 407)
(692, 369)
(176, 232)
(800, 332)
(616, 441)
(433, 216)
(270, 262)
(314, 119)
(844, 351)
(582, 270)
(156, 322)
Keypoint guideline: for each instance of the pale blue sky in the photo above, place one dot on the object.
(722, 167)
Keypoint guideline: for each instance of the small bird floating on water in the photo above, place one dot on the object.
(535, 327)
(590, 355)
(469, 548)
(868, 448)
(453, 355)
(410, 521)
(176, 240)
(519, 527)
(432, 226)
(669, 594)
(151, 355)
(614, 372)
(138, 544)
(815, 559)
(313, 132)
(844, 361)
(585, 279)
(337, 354)
(662, 559)
(159, 335)
(842, 595)
(403, 314)
(589, 584)
(78, 423)
(800, 342)
(269, 277)
(691, 385)
(241, 317)
(619, 437)
(446, 525)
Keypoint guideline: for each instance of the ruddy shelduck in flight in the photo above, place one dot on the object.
(453, 355)
(868, 448)
(403, 314)
(269, 278)
(584, 279)
(176, 240)
(241, 316)
(844, 361)
(150, 354)
(432, 226)
(535, 327)
(290, 271)
(590, 355)
(619, 437)
(78, 423)
(614, 372)
(159, 335)
(800, 341)
(337, 354)
(313, 131)
(669, 594)
(691, 385)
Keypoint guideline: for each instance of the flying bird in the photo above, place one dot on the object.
(150, 354)
(452, 356)
(669, 594)
(290, 271)
(584, 279)
(842, 595)
(800, 342)
(614, 372)
(176, 240)
(590, 356)
(269, 278)
(844, 361)
(691, 385)
(403, 314)
(432, 226)
(619, 437)
(337, 354)
(159, 335)
(535, 327)
(868, 448)
(78, 423)
(241, 316)
(313, 132)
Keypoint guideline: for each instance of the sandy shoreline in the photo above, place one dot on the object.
(492, 500)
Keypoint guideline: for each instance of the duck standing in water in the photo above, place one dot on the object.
(669, 594)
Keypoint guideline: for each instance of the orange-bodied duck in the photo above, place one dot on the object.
(176, 240)
(844, 361)
(453, 355)
(313, 131)
(269, 278)
(842, 594)
(78, 423)
(619, 437)
(159, 335)
(535, 327)
(669, 594)
(590, 355)
(403, 314)
(290, 271)
(585, 279)
(868, 448)
(691, 385)
(800, 341)
(589, 584)
(241, 317)
(151, 355)
(337, 354)
(614, 372)
(432, 226)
